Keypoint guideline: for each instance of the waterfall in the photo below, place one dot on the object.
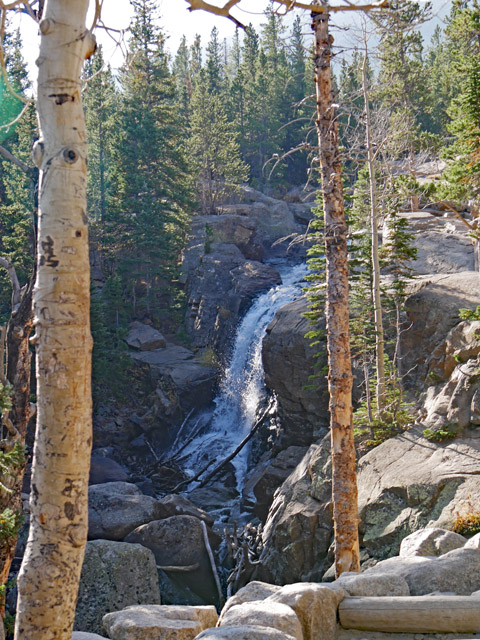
(243, 387)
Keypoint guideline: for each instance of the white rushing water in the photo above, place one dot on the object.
(243, 387)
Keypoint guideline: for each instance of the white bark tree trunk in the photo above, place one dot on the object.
(48, 580)
(376, 293)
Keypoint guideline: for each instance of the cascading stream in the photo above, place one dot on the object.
(243, 386)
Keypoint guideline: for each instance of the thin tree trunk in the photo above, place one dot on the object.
(377, 301)
(340, 382)
(48, 579)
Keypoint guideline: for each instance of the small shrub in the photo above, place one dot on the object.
(440, 435)
(468, 524)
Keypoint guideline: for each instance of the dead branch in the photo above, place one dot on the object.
(3, 377)
(175, 569)
(212, 563)
(21, 165)
(195, 478)
(218, 11)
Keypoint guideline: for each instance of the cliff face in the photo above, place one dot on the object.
(408, 482)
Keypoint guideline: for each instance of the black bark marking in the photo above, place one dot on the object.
(69, 509)
(61, 98)
(49, 255)
(68, 488)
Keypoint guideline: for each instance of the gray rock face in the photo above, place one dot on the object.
(408, 483)
(80, 635)
(432, 311)
(178, 541)
(176, 369)
(457, 571)
(442, 244)
(289, 361)
(265, 614)
(220, 287)
(116, 508)
(144, 337)
(268, 475)
(114, 575)
(298, 529)
(430, 542)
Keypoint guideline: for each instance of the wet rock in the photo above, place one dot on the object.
(116, 508)
(220, 288)
(457, 571)
(144, 337)
(178, 542)
(289, 361)
(268, 475)
(159, 621)
(430, 542)
(265, 614)
(175, 505)
(114, 575)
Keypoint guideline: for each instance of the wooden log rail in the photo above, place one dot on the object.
(412, 614)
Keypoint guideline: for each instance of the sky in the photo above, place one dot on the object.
(176, 21)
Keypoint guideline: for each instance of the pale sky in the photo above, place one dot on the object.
(176, 21)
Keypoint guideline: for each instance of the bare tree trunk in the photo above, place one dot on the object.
(48, 579)
(377, 301)
(340, 382)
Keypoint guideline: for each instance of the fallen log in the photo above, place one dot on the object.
(411, 614)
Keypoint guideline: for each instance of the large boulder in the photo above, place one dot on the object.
(116, 508)
(289, 360)
(144, 337)
(114, 575)
(442, 244)
(159, 622)
(103, 469)
(408, 483)
(431, 542)
(265, 614)
(179, 549)
(432, 306)
(457, 571)
(81, 635)
(175, 505)
(315, 605)
(251, 592)
(298, 530)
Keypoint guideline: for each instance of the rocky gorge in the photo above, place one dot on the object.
(156, 538)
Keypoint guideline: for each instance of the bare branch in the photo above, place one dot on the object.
(9, 156)
(224, 11)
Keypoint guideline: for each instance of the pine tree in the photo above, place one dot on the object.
(214, 148)
(147, 228)
(99, 100)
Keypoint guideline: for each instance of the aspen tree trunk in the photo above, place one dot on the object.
(377, 301)
(344, 482)
(48, 580)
